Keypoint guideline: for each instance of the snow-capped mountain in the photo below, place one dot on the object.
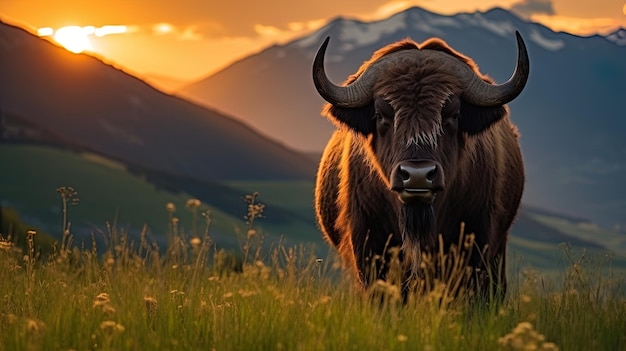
(571, 115)
(618, 37)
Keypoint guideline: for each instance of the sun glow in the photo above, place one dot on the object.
(73, 38)
(76, 38)
(163, 28)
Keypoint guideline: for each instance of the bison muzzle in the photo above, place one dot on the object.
(424, 146)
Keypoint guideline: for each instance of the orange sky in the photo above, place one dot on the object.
(206, 35)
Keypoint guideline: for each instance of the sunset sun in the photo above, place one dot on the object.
(76, 38)
(73, 38)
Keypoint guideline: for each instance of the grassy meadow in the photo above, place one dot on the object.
(127, 265)
(131, 294)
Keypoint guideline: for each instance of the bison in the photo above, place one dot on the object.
(424, 146)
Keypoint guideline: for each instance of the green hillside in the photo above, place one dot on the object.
(108, 193)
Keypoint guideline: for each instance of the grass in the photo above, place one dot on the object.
(132, 295)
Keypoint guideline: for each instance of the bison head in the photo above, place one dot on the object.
(420, 110)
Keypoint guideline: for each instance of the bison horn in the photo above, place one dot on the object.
(475, 90)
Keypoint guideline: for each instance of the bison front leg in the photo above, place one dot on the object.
(489, 279)
(378, 257)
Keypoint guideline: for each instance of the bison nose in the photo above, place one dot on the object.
(417, 180)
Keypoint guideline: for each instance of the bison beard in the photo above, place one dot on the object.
(417, 223)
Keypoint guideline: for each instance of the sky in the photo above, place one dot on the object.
(186, 40)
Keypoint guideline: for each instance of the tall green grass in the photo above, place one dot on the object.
(131, 294)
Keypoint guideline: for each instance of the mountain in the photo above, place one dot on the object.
(571, 114)
(79, 100)
(618, 37)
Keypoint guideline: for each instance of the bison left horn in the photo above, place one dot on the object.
(475, 90)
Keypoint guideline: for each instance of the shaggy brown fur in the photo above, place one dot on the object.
(417, 113)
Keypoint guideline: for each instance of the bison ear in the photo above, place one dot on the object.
(476, 119)
(359, 119)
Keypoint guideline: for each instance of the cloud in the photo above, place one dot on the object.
(268, 31)
(112, 29)
(88, 30)
(527, 8)
(542, 11)
(389, 8)
(163, 28)
(308, 25)
(290, 31)
(192, 32)
(206, 19)
(229, 19)
(577, 25)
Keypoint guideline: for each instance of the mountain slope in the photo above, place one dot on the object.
(110, 193)
(93, 105)
(571, 113)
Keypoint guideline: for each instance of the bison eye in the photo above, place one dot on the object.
(382, 122)
(451, 122)
(381, 118)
